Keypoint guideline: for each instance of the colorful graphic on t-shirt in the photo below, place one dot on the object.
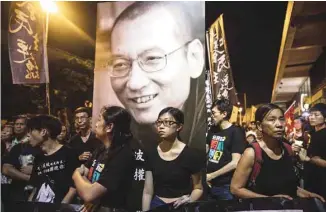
(216, 148)
(95, 171)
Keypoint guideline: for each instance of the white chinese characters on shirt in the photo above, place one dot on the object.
(50, 166)
(139, 174)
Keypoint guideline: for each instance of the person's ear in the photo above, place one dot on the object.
(109, 128)
(195, 57)
(44, 132)
(179, 127)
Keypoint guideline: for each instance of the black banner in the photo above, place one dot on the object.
(26, 43)
(220, 69)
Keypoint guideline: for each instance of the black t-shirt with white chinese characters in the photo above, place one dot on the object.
(134, 199)
(172, 179)
(113, 169)
(315, 176)
(21, 154)
(52, 175)
(221, 146)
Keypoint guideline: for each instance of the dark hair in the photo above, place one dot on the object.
(297, 117)
(321, 107)
(187, 20)
(177, 115)
(223, 105)
(25, 117)
(263, 110)
(83, 110)
(121, 119)
(50, 123)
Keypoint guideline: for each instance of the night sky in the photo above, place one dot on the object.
(253, 34)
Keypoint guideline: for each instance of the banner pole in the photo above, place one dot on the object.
(46, 65)
(209, 65)
(290, 106)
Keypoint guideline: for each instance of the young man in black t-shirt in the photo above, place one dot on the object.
(224, 150)
(52, 171)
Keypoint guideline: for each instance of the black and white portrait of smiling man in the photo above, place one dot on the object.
(154, 56)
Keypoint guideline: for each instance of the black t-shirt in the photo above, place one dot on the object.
(315, 179)
(52, 175)
(221, 146)
(114, 170)
(20, 155)
(77, 144)
(173, 178)
(277, 176)
(134, 200)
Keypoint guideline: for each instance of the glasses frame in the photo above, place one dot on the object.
(142, 66)
(157, 124)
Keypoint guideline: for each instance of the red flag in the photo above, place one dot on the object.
(289, 119)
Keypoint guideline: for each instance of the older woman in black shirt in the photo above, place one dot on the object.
(106, 178)
(173, 169)
(277, 177)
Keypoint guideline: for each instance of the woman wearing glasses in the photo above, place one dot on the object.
(105, 179)
(173, 169)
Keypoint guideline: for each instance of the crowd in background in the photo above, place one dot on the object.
(47, 159)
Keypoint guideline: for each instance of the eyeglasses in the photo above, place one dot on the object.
(165, 123)
(148, 61)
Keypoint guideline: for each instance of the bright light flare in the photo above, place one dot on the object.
(49, 6)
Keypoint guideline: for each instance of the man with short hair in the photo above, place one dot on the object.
(20, 131)
(162, 68)
(253, 126)
(53, 169)
(224, 150)
(85, 141)
(18, 164)
(315, 158)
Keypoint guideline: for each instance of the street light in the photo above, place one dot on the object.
(48, 6)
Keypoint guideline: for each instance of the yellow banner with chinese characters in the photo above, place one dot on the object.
(26, 43)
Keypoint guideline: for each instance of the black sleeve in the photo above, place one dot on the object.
(317, 148)
(33, 180)
(238, 141)
(72, 164)
(13, 156)
(116, 169)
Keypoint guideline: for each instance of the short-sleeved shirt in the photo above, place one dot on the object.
(21, 154)
(52, 175)
(315, 176)
(221, 146)
(172, 179)
(79, 146)
(113, 169)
